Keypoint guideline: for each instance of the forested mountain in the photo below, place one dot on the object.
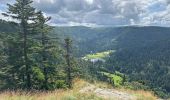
(8, 26)
(142, 53)
(105, 38)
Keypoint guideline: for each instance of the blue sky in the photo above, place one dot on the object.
(103, 12)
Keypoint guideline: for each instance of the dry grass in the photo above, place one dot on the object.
(56, 95)
(141, 94)
(72, 94)
(144, 95)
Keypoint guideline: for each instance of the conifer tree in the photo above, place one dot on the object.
(68, 43)
(50, 53)
(44, 30)
(23, 12)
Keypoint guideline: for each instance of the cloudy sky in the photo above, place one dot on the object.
(103, 12)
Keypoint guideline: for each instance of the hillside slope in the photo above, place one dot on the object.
(82, 90)
(142, 53)
(100, 39)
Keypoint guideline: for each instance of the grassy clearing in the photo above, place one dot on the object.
(72, 94)
(100, 55)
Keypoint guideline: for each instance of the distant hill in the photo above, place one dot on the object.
(142, 53)
(105, 38)
(8, 27)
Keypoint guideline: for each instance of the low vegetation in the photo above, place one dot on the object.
(115, 79)
(72, 94)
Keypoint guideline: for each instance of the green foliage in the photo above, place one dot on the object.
(61, 84)
(37, 73)
(115, 79)
(135, 86)
(161, 93)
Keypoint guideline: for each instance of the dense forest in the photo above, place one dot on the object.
(37, 56)
(142, 53)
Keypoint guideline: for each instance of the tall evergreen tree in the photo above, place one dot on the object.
(44, 39)
(44, 30)
(50, 53)
(23, 12)
(68, 43)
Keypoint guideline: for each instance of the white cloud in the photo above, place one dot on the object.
(100, 12)
(159, 16)
(90, 1)
(106, 12)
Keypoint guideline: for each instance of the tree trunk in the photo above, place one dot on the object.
(44, 60)
(68, 63)
(25, 48)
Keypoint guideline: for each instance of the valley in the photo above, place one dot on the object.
(141, 52)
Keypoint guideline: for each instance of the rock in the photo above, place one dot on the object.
(108, 93)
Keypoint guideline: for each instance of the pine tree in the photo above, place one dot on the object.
(23, 12)
(1, 50)
(68, 43)
(50, 53)
(44, 30)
